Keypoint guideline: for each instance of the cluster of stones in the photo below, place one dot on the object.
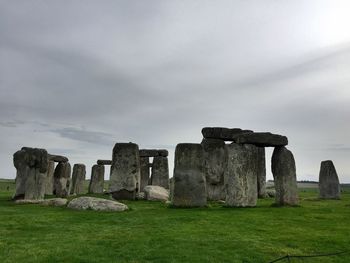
(229, 164)
(130, 171)
(234, 172)
(37, 175)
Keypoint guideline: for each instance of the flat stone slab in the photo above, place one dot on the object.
(58, 158)
(262, 139)
(96, 204)
(54, 202)
(153, 152)
(226, 134)
(156, 193)
(45, 202)
(104, 162)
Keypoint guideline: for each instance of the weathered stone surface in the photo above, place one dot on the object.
(215, 165)
(284, 174)
(104, 162)
(78, 179)
(49, 178)
(140, 196)
(156, 193)
(96, 204)
(171, 188)
(226, 134)
(45, 202)
(328, 181)
(160, 172)
(270, 193)
(28, 201)
(189, 178)
(54, 202)
(125, 171)
(31, 165)
(153, 153)
(144, 170)
(241, 176)
(97, 179)
(58, 158)
(62, 179)
(262, 139)
(261, 172)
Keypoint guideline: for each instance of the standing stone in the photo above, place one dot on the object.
(241, 176)
(215, 165)
(78, 178)
(189, 178)
(261, 172)
(144, 169)
(329, 181)
(284, 174)
(62, 179)
(31, 165)
(97, 179)
(125, 171)
(160, 172)
(49, 178)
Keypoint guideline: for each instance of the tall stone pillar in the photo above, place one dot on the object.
(189, 178)
(261, 172)
(31, 165)
(160, 171)
(97, 179)
(328, 181)
(284, 174)
(78, 178)
(241, 176)
(62, 181)
(215, 165)
(49, 178)
(125, 171)
(144, 166)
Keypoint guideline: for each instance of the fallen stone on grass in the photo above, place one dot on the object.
(156, 193)
(27, 201)
(140, 196)
(96, 204)
(54, 202)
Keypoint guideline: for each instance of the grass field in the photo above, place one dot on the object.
(153, 232)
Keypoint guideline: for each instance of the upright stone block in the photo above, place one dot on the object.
(160, 172)
(97, 179)
(241, 176)
(328, 181)
(62, 180)
(189, 178)
(284, 174)
(261, 172)
(215, 165)
(31, 165)
(144, 166)
(49, 178)
(125, 171)
(78, 178)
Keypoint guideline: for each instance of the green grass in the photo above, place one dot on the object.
(153, 232)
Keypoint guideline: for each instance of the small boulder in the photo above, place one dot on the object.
(156, 193)
(270, 193)
(96, 204)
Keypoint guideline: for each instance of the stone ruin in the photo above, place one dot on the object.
(125, 171)
(159, 168)
(159, 175)
(328, 181)
(189, 177)
(229, 164)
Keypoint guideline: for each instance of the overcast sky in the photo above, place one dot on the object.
(78, 76)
